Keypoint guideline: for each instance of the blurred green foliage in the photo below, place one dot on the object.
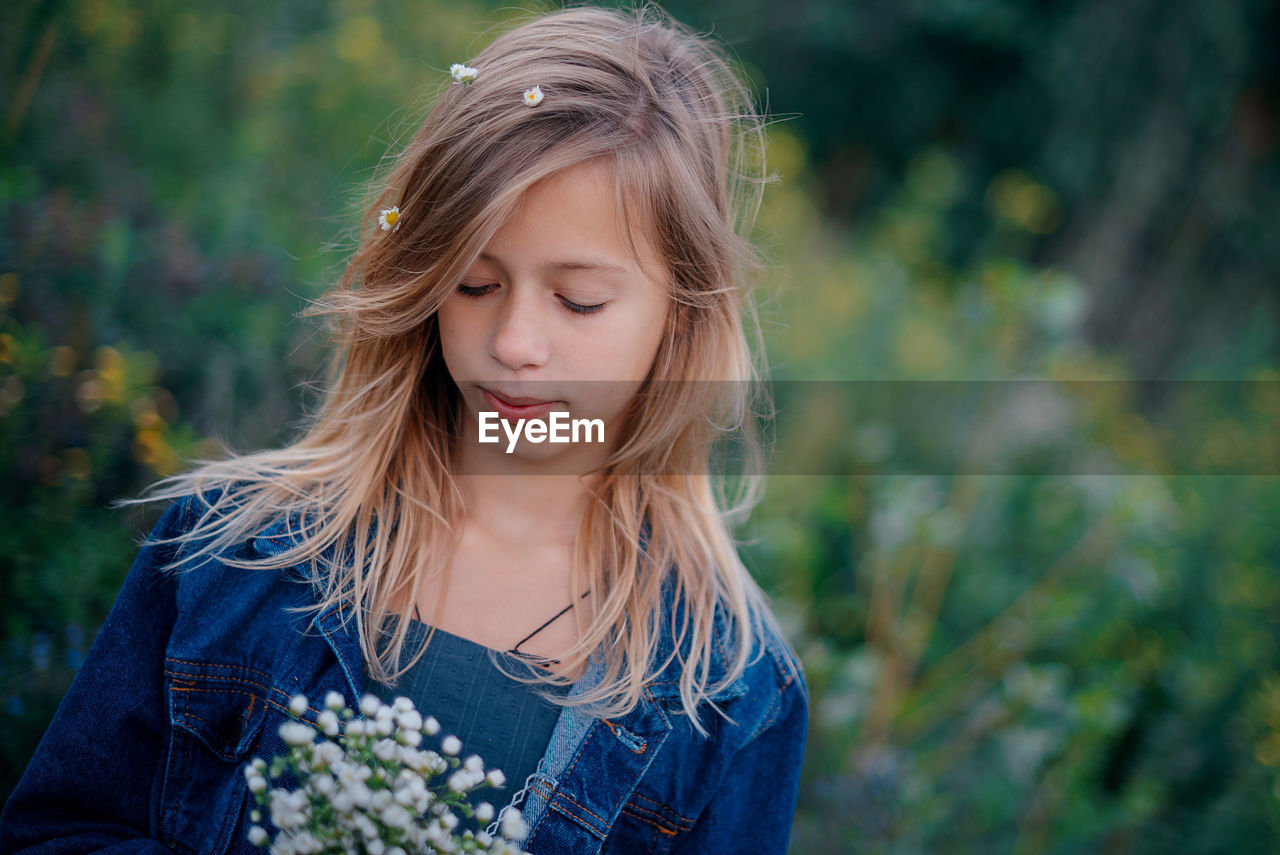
(969, 191)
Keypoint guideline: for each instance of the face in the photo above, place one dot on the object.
(556, 315)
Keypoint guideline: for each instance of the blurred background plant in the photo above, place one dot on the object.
(1000, 660)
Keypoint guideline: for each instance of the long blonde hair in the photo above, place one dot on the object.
(368, 490)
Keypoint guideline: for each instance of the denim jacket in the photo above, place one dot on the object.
(192, 672)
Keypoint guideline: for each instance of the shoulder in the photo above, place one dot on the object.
(767, 691)
(777, 694)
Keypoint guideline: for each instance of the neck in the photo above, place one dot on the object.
(525, 510)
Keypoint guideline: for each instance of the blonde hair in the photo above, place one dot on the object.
(368, 490)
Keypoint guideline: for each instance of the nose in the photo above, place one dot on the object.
(519, 339)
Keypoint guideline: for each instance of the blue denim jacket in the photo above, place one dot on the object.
(192, 672)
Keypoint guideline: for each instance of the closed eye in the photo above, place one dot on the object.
(581, 309)
(576, 308)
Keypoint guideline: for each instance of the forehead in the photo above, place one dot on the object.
(577, 220)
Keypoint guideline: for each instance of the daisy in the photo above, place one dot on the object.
(390, 218)
(533, 97)
(463, 73)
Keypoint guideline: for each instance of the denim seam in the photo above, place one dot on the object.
(263, 674)
(662, 809)
(558, 804)
(658, 826)
(771, 715)
(209, 678)
(666, 819)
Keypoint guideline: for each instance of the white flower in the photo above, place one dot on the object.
(431, 727)
(451, 745)
(396, 816)
(401, 704)
(385, 750)
(388, 219)
(328, 722)
(474, 763)
(258, 836)
(257, 784)
(533, 97)
(513, 825)
(323, 784)
(463, 73)
(297, 733)
(459, 781)
(409, 720)
(484, 812)
(333, 700)
(298, 704)
(496, 778)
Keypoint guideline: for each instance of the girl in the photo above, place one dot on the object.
(561, 239)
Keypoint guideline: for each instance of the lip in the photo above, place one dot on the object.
(519, 407)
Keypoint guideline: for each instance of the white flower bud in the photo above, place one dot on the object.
(431, 727)
(484, 812)
(513, 826)
(459, 781)
(297, 733)
(451, 745)
(409, 720)
(257, 784)
(385, 750)
(258, 835)
(328, 753)
(473, 763)
(334, 701)
(328, 722)
(298, 704)
(496, 778)
(396, 816)
(401, 704)
(369, 706)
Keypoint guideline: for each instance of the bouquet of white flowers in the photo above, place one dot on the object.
(365, 787)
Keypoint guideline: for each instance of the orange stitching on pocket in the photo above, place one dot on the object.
(664, 814)
(262, 674)
(566, 798)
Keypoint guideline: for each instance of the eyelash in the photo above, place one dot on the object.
(576, 308)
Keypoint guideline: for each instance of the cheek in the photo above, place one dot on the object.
(454, 333)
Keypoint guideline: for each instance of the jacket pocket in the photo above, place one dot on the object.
(216, 715)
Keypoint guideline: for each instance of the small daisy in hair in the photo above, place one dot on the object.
(533, 97)
(463, 73)
(390, 218)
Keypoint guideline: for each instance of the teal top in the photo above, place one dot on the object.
(501, 719)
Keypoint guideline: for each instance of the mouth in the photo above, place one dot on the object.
(512, 407)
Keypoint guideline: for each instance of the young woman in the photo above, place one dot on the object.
(564, 235)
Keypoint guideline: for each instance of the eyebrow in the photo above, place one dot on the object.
(588, 264)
